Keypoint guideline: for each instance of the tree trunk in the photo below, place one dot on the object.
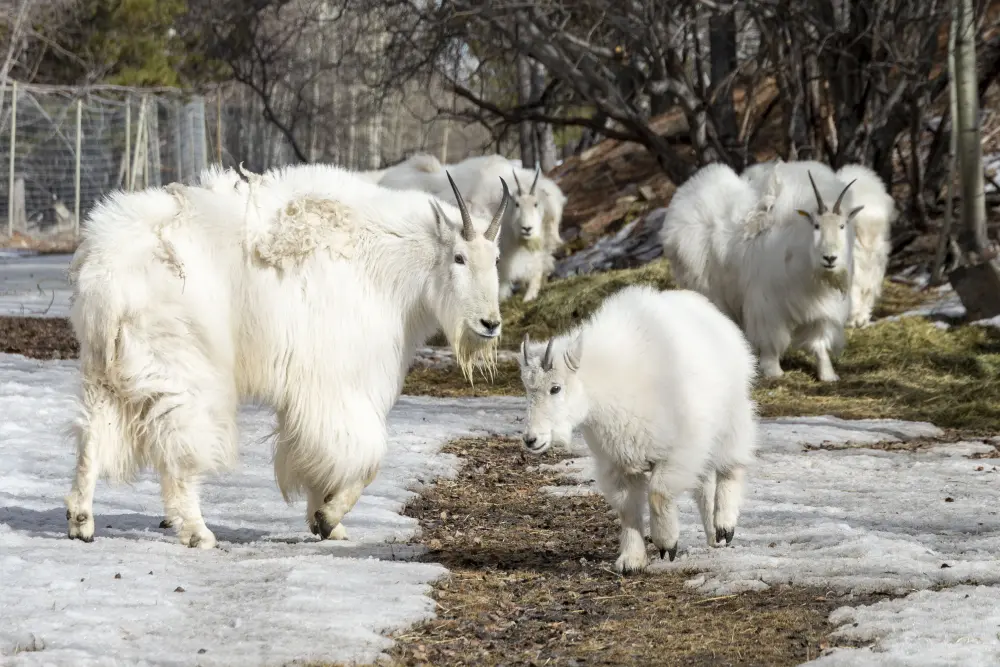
(970, 149)
(977, 285)
(545, 140)
(525, 128)
(722, 43)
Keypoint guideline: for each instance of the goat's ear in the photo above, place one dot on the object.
(573, 354)
(854, 212)
(445, 229)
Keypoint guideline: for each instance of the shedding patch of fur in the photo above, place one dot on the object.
(302, 227)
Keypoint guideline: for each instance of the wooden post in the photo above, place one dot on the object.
(79, 142)
(128, 140)
(13, 152)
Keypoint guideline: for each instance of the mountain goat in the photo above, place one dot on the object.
(872, 243)
(871, 227)
(781, 271)
(306, 288)
(659, 385)
(529, 231)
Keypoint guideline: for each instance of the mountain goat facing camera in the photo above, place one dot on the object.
(306, 288)
(659, 385)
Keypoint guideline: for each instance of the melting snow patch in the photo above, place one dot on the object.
(270, 594)
(34, 285)
(860, 520)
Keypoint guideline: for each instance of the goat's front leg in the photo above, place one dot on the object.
(824, 367)
(336, 505)
(315, 502)
(625, 493)
(534, 286)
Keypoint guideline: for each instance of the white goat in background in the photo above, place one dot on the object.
(779, 269)
(527, 241)
(872, 243)
(659, 384)
(872, 226)
(307, 288)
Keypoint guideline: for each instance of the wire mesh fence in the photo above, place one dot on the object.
(63, 149)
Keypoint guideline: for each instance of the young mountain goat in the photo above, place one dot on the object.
(780, 270)
(659, 384)
(306, 288)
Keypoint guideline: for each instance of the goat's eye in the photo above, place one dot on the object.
(816, 227)
(459, 259)
(536, 204)
(517, 205)
(842, 225)
(555, 390)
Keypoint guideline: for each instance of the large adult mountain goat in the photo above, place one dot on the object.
(306, 288)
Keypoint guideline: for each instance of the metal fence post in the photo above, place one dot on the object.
(79, 137)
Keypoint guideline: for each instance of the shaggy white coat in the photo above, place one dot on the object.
(766, 269)
(308, 289)
(659, 384)
(872, 243)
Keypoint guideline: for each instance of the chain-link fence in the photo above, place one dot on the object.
(62, 149)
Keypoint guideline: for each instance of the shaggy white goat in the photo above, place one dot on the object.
(872, 243)
(659, 385)
(306, 288)
(871, 227)
(780, 268)
(529, 231)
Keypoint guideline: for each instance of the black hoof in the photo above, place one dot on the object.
(314, 527)
(672, 552)
(195, 541)
(88, 540)
(324, 529)
(166, 523)
(723, 533)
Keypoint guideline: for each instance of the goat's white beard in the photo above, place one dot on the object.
(531, 243)
(473, 351)
(839, 279)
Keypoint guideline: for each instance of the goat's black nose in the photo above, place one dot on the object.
(490, 325)
(829, 259)
(526, 230)
(530, 440)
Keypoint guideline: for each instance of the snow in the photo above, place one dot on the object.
(270, 594)
(35, 285)
(854, 520)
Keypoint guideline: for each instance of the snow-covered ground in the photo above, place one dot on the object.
(35, 285)
(860, 520)
(272, 593)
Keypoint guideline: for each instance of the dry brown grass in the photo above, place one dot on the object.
(531, 583)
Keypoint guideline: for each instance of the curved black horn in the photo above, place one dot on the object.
(819, 199)
(468, 231)
(538, 172)
(836, 206)
(494, 228)
(524, 346)
(516, 182)
(547, 357)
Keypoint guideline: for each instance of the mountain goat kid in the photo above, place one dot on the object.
(306, 288)
(659, 385)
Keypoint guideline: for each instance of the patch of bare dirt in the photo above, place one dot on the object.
(38, 337)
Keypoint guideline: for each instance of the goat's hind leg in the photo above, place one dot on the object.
(183, 509)
(705, 497)
(101, 443)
